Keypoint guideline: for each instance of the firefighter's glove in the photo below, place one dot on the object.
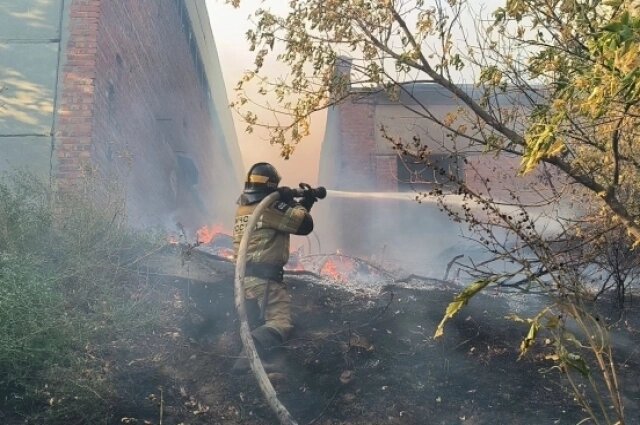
(308, 198)
(286, 194)
(307, 203)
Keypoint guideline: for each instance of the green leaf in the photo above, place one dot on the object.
(460, 301)
(614, 27)
(576, 362)
(528, 341)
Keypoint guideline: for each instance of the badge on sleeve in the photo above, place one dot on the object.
(282, 206)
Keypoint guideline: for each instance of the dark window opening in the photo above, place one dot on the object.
(436, 171)
(187, 171)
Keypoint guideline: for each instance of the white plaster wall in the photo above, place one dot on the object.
(30, 34)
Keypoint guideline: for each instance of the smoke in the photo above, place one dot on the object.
(392, 230)
(413, 232)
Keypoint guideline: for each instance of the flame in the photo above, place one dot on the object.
(205, 234)
(172, 240)
(227, 254)
(217, 240)
(339, 268)
(220, 242)
(330, 269)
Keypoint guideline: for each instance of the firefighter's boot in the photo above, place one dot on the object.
(268, 344)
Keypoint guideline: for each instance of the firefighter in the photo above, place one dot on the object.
(267, 253)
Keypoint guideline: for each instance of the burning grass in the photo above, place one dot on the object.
(95, 330)
(89, 335)
(336, 267)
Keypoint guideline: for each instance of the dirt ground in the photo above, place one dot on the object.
(356, 357)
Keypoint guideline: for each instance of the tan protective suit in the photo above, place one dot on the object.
(269, 245)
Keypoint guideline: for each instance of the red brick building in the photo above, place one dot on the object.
(137, 101)
(356, 156)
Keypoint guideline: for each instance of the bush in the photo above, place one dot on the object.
(25, 214)
(34, 330)
(69, 287)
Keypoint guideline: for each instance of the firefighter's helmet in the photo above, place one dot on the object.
(262, 179)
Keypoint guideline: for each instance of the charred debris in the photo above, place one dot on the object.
(362, 352)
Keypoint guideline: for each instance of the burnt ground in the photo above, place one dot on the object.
(356, 357)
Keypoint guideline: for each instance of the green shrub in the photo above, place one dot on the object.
(69, 287)
(25, 214)
(34, 329)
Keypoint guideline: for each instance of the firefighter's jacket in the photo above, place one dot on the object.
(270, 240)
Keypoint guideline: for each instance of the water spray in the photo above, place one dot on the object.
(372, 195)
(544, 221)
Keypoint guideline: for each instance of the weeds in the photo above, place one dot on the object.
(69, 293)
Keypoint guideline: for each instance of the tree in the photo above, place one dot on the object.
(555, 83)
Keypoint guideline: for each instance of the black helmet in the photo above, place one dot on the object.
(262, 179)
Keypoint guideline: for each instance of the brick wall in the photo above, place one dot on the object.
(136, 111)
(76, 105)
(365, 166)
(357, 163)
(420, 237)
(386, 173)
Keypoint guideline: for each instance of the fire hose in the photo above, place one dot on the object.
(245, 332)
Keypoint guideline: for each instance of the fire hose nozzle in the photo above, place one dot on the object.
(306, 190)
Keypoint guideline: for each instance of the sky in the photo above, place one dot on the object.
(229, 27)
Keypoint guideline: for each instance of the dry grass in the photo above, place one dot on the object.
(71, 289)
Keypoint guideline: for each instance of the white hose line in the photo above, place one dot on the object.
(245, 332)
